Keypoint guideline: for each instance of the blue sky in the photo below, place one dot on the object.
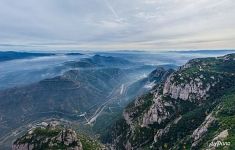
(117, 24)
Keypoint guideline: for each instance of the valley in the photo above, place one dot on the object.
(183, 112)
(94, 94)
(117, 75)
(90, 90)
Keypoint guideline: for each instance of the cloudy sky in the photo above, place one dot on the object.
(117, 24)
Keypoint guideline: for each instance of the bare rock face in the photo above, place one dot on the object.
(193, 90)
(128, 146)
(202, 129)
(222, 135)
(157, 112)
(69, 137)
(165, 130)
(127, 117)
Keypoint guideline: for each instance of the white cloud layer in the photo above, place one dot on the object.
(117, 24)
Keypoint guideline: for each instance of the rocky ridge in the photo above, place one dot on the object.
(174, 115)
(49, 137)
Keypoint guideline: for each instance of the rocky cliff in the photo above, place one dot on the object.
(182, 112)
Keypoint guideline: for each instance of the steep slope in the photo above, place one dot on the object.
(218, 129)
(179, 113)
(142, 86)
(112, 112)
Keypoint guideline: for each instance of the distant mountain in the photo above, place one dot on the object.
(143, 85)
(99, 61)
(72, 95)
(11, 55)
(69, 95)
(205, 51)
(187, 107)
(192, 109)
(73, 54)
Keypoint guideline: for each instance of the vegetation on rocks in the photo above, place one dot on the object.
(195, 105)
(55, 137)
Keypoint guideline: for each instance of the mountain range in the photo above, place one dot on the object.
(192, 109)
(11, 55)
(104, 97)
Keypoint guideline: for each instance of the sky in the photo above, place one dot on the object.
(117, 24)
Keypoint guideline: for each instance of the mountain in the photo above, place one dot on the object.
(69, 95)
(11, 55)
(112, 112)
(188, 108)
(221, 52)
(54, 136)
(145, 84)
(99, 61)
(192, 109)
(38, 109)
(79, 94)
(73, 54)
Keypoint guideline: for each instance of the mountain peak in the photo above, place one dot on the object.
(48, 137)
